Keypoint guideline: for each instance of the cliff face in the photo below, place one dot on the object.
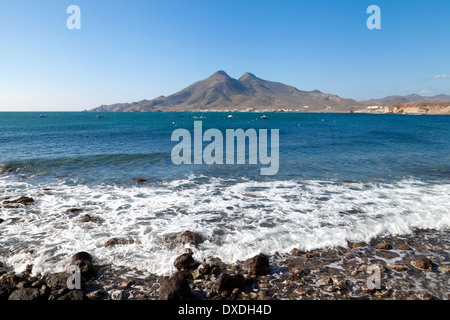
(419, 108)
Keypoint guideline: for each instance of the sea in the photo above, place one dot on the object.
(341, 177)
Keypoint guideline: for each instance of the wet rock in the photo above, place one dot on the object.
(116, 295)
(258, 265)
(188, 251)
(73, 295)
(87, 269)
(1, 220)
(185, 261)
(295, 277)
(169, 239)
(383, 246)
(25, 294)
(190, 237)
(445, 269)
(176, 287)
(57, 281)
(354, 245)
(204, 268)
(423, 263)
(422, 296)
(141, 180)
(402, 246)
(296, 252)
(364, 268)
(398, 267)
(82, 255)
(338, 282)
(323, 281)
(96, 295)
(22, 200)
(74, 210)
(126, 284)
(301, 291)
(27, 251)
(118, 241)
(229, 282)
(87, 218)
(5, 291)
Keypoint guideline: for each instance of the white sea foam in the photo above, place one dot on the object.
(238, 219)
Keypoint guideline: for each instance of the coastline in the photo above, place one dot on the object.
(413, 267)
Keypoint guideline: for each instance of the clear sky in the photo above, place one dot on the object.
(139, 49)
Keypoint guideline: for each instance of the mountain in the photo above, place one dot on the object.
(220, 92)
(390, 100)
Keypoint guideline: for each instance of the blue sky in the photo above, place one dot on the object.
(132, 50)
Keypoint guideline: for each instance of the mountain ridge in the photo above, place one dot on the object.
(220, 92)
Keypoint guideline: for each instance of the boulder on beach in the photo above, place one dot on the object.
(257, 266)
(184, 262)
(25, 294)
(73, 295)
(189, 237)
(229, 282)
(82, 255)
(176, 287)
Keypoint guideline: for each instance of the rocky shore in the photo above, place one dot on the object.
(415, 267)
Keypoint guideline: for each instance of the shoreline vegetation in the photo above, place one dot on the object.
(412, 267)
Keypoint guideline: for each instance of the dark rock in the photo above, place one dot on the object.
(5, 291)
(87, 269)
(185, 261)
(82, 255)
(1, 220)
(169, 239)
(57, 281)
(73, 295)
(74, 210)
(258, 265)
(227, 282)
(118, 241)
(141, 180)
(383, 246)
(423, 263)
(190, 237)
(96, 295)
(87, 218)
(22, 200)
(175, 287)
(25, 294)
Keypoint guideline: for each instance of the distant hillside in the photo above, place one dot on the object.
(411, 108)
(220, 92)
(406, 99)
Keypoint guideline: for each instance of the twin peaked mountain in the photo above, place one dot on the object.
(220, 92)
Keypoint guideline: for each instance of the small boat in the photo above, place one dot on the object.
(199, 118)
(43, 116)
(98, 116)
(264, 117)
(231, 117)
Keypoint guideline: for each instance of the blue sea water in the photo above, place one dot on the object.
(341, 177)
(120, 147)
